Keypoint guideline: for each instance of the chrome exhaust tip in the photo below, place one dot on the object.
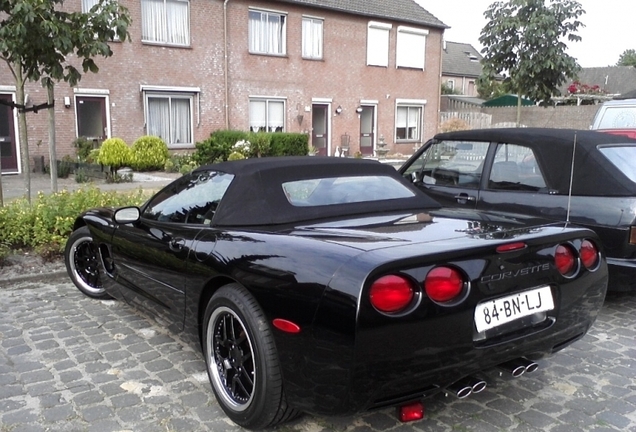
(515, 367)
(467, 386)
(529, 364)
(460, 389)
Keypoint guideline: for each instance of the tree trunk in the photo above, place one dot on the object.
(22, 128)
(52, 154)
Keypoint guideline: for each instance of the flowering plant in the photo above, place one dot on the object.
(578, 88)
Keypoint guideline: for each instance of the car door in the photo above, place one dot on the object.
(449, 171)
(515, 183)
(151, 255)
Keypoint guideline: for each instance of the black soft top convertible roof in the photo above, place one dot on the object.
(594, 174)
(256, 195)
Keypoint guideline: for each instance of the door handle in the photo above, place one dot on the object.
(177, 244)
(465, 197)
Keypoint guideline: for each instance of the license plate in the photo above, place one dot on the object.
(503, 310)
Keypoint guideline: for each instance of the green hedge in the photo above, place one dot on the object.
(221, 144)
(48, 221)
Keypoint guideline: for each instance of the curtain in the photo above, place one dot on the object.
(181, 124)
(402, 113)
(165, 21)
(266, 33)
(258, 115)
(414, 123)
(178, 28)
(153, 25)
(312, 38)
(159, 118)
(88, 4)
(276, 116)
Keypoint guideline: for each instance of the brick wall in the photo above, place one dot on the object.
(570, 117)
(342, 76)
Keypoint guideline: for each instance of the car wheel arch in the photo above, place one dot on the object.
(208, 290)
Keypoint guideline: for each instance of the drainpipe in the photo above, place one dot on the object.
(225, 66)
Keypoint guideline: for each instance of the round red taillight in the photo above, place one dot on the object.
(589, 254)
(564, 260)
(391, 293)
(443, 284)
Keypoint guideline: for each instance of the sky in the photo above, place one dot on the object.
(606, 35)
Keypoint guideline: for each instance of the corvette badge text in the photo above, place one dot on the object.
(513, 274)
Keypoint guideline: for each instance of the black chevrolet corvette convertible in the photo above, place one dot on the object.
(334, 286)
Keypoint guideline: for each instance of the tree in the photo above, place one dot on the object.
(489, 87)
(37, 37)
(628, 58)
(525, 39)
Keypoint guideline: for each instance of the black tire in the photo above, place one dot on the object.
(82, 265)
(242, 361)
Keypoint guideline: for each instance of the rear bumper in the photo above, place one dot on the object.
(622, 274)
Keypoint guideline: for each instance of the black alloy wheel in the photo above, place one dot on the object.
(82, 265)
(242, 361)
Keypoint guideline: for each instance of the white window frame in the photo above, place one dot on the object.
(258, 29)
(88, 4)
(182, 93)
(268, 100)
(378, 37)
(162, 30)
(450, 84)
(96, 93)
(411, 48)
(313, 38)
(410, 104)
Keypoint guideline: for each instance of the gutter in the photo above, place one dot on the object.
(225, 66)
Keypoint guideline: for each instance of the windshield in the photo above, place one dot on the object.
(622, 157)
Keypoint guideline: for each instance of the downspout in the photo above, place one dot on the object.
(225, 66)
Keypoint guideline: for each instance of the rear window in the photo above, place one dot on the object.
(341, 190)
(620, 117)
(622, 157)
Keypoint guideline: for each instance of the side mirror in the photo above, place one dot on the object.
(127, 215)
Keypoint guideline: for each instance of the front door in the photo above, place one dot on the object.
(8, 148)
(367, 127)
(91, 118)
(320, 128)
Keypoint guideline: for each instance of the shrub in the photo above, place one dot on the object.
(115, 153)
(47, 223)
(83, 148)
(236, 156)
(149, 153)
(64, 167)
(260, 144)
(453, 124)
(289, 144)
(180, 162)
(218, 147)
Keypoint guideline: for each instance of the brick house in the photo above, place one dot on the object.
(351, 73)
(461, 66)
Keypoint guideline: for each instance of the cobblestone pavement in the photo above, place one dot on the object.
(69, 363)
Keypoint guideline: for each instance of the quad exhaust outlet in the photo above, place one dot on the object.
(519, 366)
(467, 386)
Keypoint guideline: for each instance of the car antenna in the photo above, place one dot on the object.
(567, 216)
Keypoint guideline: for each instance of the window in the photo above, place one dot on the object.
(411, 47)
(450, 84)
(342, 190)
(312, 38)
(408, 123)
(165, 21)
(267, 32)
(515, 168)
(378, 44)
(88, 4)
(169, 116)
(622, 157)
(192, 199)
(450, 163)
(267, 115)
